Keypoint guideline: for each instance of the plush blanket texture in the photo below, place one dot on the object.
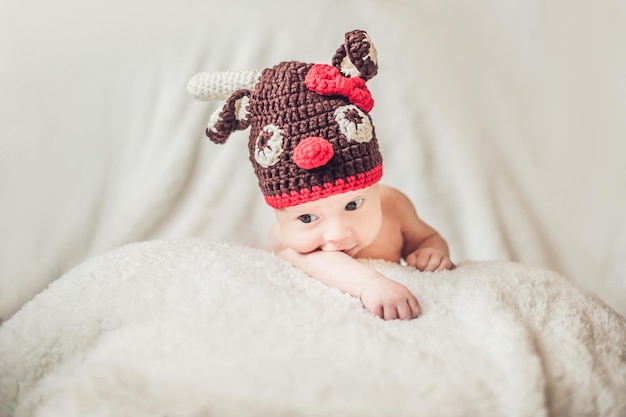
(502, 121)
(197, 328)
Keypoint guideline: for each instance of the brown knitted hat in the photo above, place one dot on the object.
(311, 134)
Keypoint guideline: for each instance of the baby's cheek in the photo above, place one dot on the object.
(299, 241)
(369, 234)
(304, 246)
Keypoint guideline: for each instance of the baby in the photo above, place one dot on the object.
(314, 150)
(323, 236)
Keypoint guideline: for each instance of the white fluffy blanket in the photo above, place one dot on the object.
(194, 328)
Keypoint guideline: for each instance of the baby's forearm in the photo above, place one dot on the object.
(430, 254)
(335, 269)
(380, 295)
(436, 242)
(433, 241)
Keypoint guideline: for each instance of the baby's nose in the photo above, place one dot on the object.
(336, 232)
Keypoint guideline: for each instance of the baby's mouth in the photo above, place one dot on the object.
(350, 251)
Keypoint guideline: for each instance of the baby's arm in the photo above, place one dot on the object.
(380, 295)
(423, 247)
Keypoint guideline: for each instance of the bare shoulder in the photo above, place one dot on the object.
(395, 201)
(398, 206)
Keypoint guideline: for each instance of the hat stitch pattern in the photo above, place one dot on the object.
(327, 80)
(311, 135)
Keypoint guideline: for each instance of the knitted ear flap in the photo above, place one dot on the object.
(357, 56)
(231, 116)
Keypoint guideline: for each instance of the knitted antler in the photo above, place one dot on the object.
(357, 56)
(235, 87)
(220, 85)
(311, 135)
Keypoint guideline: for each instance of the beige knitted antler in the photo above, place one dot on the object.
(220, 85)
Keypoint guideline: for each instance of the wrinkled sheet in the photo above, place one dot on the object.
(196, 328)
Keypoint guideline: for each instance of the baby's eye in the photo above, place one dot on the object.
(307, 218)
(354, 204)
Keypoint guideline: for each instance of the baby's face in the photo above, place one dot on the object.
(345, 222)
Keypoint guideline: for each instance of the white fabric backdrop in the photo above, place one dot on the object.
(503, 121)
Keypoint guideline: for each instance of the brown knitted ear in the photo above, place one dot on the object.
(357, 56)
(233, 115)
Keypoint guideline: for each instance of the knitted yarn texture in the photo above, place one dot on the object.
(311, 135)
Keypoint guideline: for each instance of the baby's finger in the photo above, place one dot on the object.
(404, 311)
(434, 262)
(391, 313)
(378, 311)
(415, 307)
(446, 264)
(414, 260)
(421, 260)
(410, 260)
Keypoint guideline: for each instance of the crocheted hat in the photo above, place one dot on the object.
(311, 135)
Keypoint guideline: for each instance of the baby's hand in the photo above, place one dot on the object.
(429, 259)
(390, 300)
